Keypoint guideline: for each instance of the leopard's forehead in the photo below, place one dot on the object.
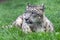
(34, 7)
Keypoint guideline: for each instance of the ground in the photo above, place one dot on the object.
(11, 9)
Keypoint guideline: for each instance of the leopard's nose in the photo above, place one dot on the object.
(26, 19)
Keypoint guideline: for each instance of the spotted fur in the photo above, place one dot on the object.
(34, 20)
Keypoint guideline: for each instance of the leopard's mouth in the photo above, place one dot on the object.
(29, 22)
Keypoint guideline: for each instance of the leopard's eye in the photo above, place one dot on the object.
(33, 12)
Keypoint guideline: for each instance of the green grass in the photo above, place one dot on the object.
(11, 9)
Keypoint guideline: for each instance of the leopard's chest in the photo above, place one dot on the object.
(36, 27)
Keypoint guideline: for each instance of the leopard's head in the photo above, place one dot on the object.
(34, 13)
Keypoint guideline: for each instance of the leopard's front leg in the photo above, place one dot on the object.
(25, 27)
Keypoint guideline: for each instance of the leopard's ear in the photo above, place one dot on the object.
(43, 6)
(28, 5)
